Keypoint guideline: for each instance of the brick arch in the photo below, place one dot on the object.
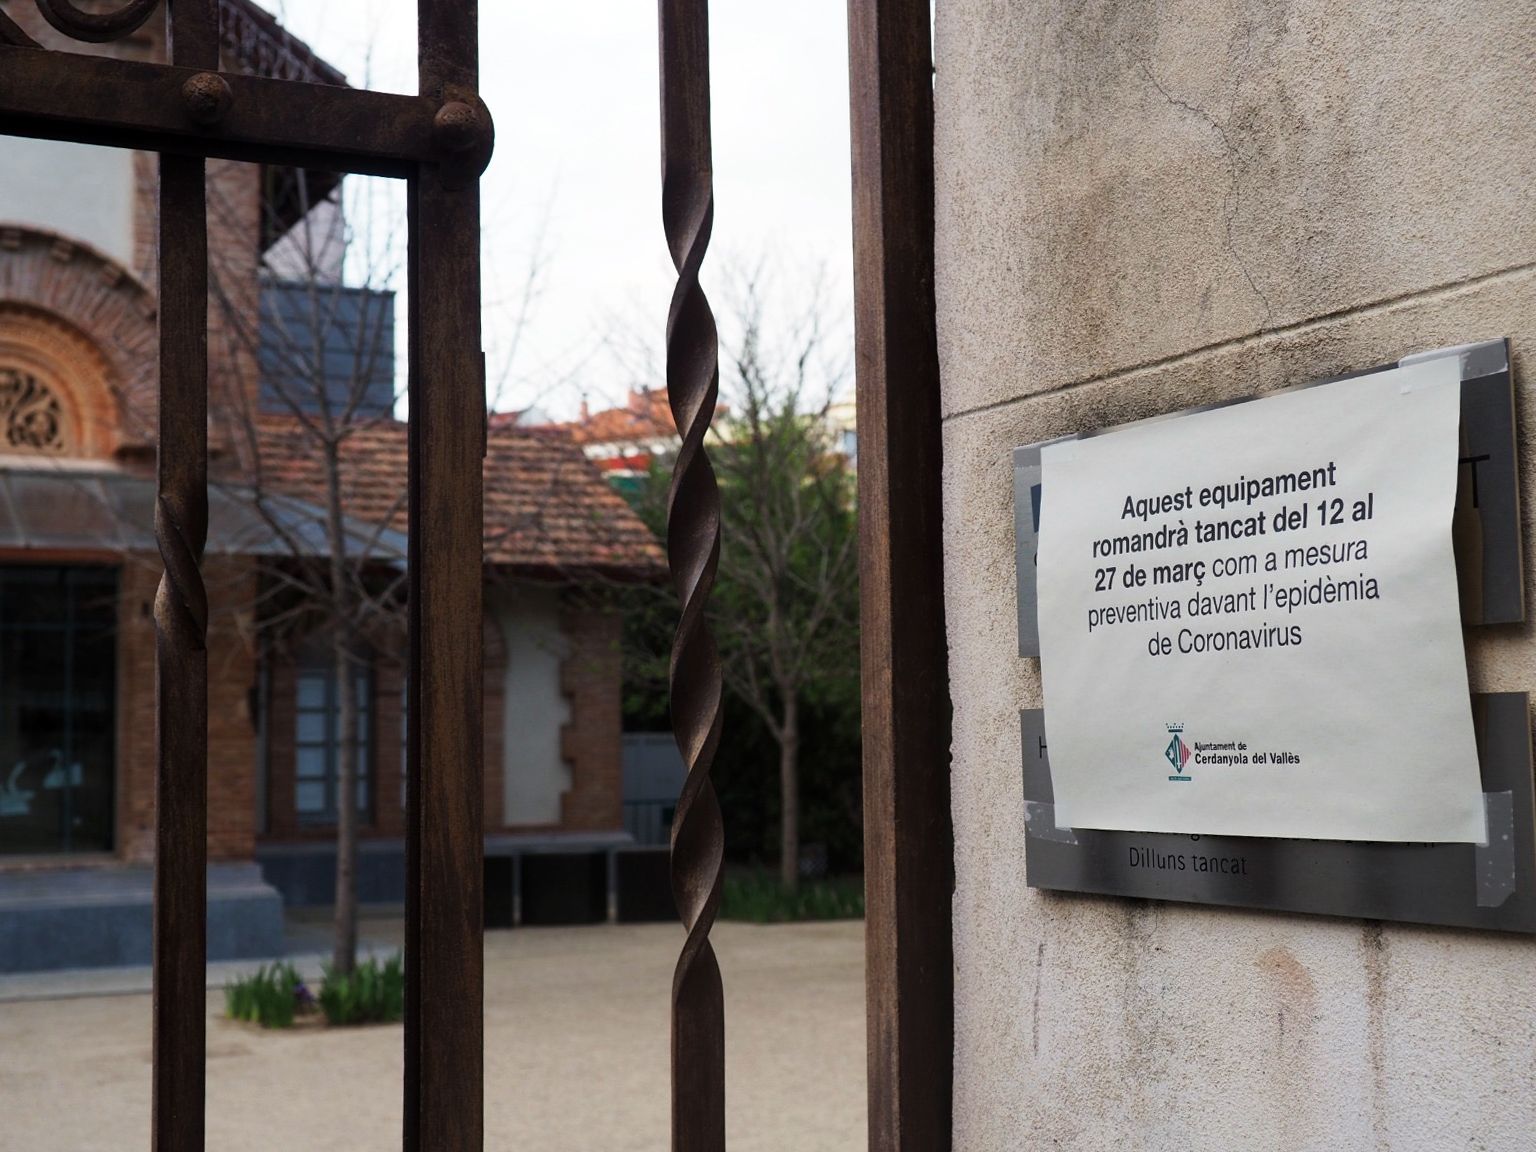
(42, 350)
(89, 323)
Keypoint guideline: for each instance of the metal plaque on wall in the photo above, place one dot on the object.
(1491, 886)
(1462, 885)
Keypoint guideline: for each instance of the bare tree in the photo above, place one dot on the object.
(312, 387)
(785, 607)
(789, 567)
(312, 348)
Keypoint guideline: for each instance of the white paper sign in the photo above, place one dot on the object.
(1249, 622)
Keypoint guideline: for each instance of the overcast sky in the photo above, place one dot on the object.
(574, 90)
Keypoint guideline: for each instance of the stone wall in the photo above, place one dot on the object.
(1141, 207)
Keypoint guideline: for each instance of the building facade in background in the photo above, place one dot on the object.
(79, 570)
(627, 442)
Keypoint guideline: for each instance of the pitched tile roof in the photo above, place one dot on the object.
(546, 507)
(645, 417)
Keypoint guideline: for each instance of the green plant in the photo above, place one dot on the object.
(270, 997)
(760, 898)
(372, 993)
(785, 605)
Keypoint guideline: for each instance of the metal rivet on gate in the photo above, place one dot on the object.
(206, 98)
(456, 127)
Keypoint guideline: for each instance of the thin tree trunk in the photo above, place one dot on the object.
(344, 955)
(789, 794)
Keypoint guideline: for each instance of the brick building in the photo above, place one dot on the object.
(624, 442)
(79, 570)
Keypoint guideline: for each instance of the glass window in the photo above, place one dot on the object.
(313, 726)
(58, 705)
(317, 726)
(312, 763)
(311, 797)
(312, 690)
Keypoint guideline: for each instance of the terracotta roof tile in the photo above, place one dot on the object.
(546, 506)
(646, 417)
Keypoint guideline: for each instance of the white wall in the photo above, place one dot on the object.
(81, 192)
(535, 775)
(1140, 207)
(315, 248)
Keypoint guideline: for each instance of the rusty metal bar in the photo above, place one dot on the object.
(693, 553)
(132, 104)
(908, 839)
(440, 141)
(181, 628)
(181, 621)
(444, 1025)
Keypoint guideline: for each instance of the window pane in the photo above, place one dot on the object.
(317, 732)
(311, 691)
(310, 798)
(310, 764)
(312, 728)
(57, 711)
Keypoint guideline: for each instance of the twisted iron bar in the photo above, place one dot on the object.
(693, 554)
(181, 600)
(179, 1034)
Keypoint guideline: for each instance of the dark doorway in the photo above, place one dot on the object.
(58, 695)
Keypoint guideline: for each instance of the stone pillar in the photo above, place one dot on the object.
(1146, 206)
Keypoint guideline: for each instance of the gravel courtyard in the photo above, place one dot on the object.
(576, 1038)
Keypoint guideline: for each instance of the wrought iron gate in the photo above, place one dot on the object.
(440, 142)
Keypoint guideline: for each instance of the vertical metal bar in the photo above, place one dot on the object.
(693, 553)
(517, 890)
(444, 1062)
(181, 625)
(908, 838)
(611, 871)
(68, 739)
(413, 905)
